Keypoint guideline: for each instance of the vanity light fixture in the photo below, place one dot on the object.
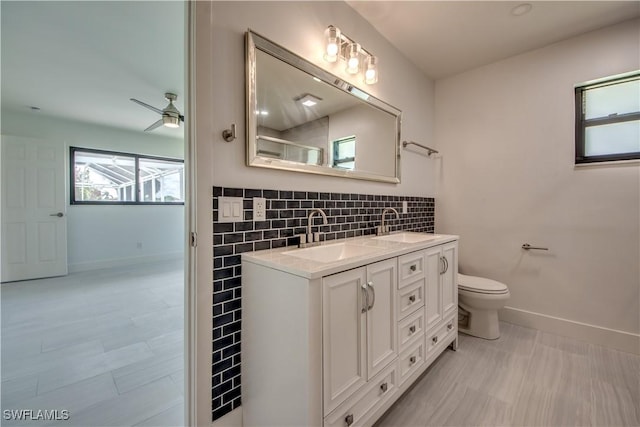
(353, 58)
(333, 40)
(371, 70)
(338, 45)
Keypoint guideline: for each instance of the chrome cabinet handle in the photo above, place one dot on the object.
(59, 214)
(412, 299)
(441, 265)
(412, 360)
(446, 264)
(384, 387)
(434, 340)
(365, 298)
(412, 329)
(348, 420)
(373, 295)
(412, 268)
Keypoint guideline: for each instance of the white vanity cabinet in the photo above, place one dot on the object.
(358, 328)
(337, 344)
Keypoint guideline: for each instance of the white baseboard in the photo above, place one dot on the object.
(620, 340)
(123, 262)
(232, 419)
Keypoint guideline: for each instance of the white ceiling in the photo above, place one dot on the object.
(84, 60)
(447, 37)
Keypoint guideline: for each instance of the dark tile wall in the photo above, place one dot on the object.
(348, 214)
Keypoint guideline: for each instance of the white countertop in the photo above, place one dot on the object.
(277, 259)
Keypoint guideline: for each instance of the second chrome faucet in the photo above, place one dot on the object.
(311, 239)
(384, 229)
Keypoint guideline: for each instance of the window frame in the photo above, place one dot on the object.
(336, 161)
(581, 123)
(137, 185)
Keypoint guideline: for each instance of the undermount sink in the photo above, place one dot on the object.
(331, 253)
(407, 237)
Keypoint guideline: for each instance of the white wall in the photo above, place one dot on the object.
(299, 26)
(506, 134)
(368, 125)
(102, 236)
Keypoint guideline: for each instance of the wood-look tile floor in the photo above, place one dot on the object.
(105, 345)
(525, 378)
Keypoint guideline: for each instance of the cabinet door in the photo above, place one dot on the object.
(344, 335)
(381, 315)
(433, 290)
(450, 279)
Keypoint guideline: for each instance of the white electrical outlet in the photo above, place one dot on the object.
(405, 208)
(259, 209)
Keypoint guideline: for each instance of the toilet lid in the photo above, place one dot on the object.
(481, 285)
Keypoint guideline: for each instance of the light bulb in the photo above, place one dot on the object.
(353, 63)
(332, 40)
(371, 73)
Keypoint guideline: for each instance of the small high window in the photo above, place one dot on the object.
(107, 177)
(344, 153)
(608, 120)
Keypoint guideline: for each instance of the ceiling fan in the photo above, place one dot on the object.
(171, 116)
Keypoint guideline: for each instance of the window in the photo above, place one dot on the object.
(344, 153)
(106, 177)
(608, 120)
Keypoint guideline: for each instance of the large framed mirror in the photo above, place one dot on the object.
(303, 118)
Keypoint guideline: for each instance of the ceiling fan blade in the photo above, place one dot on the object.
(155, 125)
(144, 104)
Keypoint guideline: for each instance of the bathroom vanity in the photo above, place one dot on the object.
(334, 334)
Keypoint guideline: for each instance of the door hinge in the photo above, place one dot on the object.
(193, 239)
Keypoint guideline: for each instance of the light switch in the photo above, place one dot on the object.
(230, 209)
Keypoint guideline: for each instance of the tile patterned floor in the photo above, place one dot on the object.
(105, 345)
(525, 378)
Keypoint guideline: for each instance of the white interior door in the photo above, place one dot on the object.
(34, 222)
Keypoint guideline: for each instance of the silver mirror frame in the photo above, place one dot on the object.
(254, 41)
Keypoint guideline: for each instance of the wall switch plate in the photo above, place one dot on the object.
(230, 209)
(405, 208)
(259, 209)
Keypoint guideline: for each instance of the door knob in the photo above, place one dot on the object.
(59, 214)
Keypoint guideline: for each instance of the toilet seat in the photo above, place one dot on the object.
(481, 285)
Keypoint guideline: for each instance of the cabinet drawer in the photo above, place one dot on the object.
(411, 360)
(410, 298)
(411, 268)
(449, 327)
(355, 411)
(410, 330)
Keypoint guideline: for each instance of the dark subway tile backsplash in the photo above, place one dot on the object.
(348, 214)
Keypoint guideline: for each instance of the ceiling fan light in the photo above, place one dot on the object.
(171, 122)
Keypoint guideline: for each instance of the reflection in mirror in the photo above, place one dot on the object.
(302, 118)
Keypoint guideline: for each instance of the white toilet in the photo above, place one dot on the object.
(481, 299)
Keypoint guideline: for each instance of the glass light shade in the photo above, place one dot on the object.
(332, 42)
(371, 70)
(171, 122)
(353, 58)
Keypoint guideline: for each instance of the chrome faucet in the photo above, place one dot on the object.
(312, 239)
(384, 229)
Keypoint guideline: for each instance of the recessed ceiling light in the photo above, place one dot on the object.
(521, 9)
(308, 100)
(317, 79)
